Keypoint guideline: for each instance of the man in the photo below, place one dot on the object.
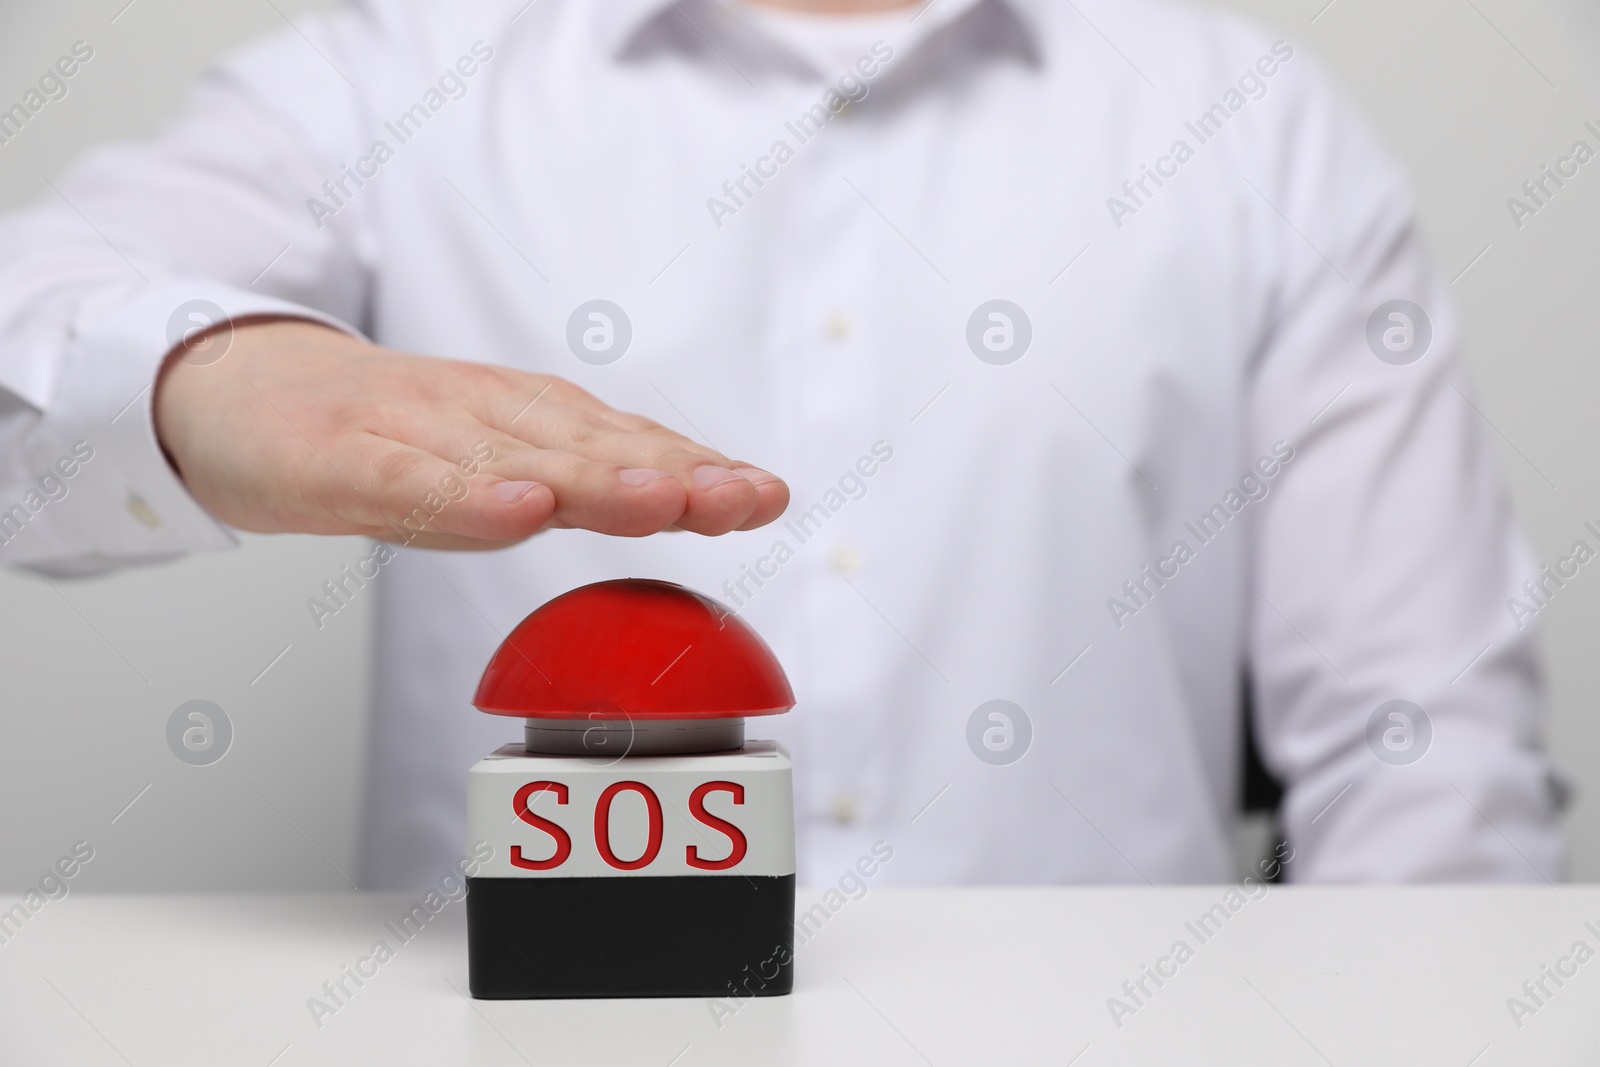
(1095, 343)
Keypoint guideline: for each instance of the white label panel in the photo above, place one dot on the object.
(578, 817)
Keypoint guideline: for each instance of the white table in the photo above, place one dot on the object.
(941, 977)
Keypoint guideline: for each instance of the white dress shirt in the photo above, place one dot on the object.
(1196, 230)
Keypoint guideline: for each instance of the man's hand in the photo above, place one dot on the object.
(299, 428)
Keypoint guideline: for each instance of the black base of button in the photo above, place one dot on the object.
(685, 936)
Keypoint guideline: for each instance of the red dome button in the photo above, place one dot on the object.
(635, 647)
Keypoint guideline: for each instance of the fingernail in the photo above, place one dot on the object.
(511, 492)
(709, 477)
(641, 475)
(756, 476)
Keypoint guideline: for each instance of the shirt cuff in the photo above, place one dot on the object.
(104, 494)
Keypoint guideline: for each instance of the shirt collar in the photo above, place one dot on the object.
(620, 22)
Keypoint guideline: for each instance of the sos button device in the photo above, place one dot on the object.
(643, 847)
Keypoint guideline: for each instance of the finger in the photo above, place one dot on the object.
(410, 492)
(717, 497)
(560, 416)
(602, 496)
(605, 497)
(772, 493)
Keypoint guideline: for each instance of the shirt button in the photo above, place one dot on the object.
(839, 326)
(846, 559)
(143, 512)
(843, 809)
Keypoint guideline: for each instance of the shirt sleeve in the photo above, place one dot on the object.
(137, 245)
(1398, 695)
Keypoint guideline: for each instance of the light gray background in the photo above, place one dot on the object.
(1473, 95)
